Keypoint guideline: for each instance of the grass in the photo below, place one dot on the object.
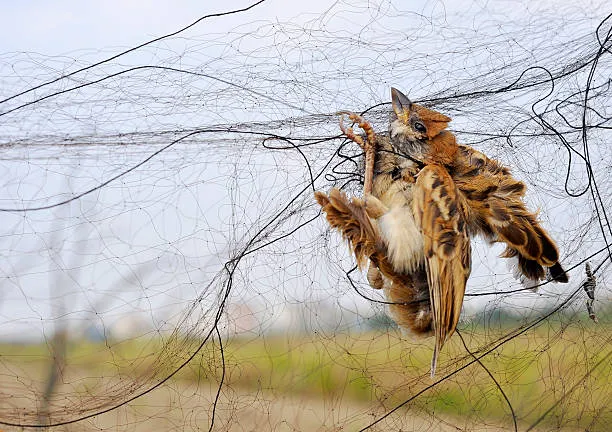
(555, 376)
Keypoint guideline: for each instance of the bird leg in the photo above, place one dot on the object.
(368, 145)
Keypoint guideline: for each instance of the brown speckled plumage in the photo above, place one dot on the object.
(429, 194)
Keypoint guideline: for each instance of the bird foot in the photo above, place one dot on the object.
(374, 207)
(368, 145)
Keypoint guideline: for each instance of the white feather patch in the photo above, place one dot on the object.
(398, 128)
(404, 240)
(512, 264)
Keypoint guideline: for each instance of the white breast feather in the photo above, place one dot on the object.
(403, 239)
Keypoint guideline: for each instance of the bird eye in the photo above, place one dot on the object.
(419, 127)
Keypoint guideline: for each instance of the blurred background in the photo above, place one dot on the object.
(164, 265)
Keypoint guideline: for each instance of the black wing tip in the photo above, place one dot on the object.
(557, 273)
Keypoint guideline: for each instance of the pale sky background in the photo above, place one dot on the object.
(172, 228)
(62, 26)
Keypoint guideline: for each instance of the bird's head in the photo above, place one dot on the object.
(415, 120)
(414, 128)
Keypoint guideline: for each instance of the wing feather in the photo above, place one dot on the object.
(497, 210)
(349, 216)
(407, 293)
(441, 215)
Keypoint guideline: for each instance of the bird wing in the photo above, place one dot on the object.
(440, 213)
(349, 216)
(407, 293)
(495, 199)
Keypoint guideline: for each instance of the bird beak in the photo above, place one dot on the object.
(401, 104)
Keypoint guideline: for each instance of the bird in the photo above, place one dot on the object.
(425, 197)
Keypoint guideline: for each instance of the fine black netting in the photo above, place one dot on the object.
(165, 266)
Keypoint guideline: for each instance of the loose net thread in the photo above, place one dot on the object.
(168, 268)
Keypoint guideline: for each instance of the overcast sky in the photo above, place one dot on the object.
(166, 223)
(62, 26)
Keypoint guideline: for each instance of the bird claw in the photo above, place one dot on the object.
(374, 207)
(350, 134)
(365, 125)
(368, 145)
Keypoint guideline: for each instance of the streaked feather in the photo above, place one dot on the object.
(440, 213)
(497, 211)
(429, 194)
(408, 292)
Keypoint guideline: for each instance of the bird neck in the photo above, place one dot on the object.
(442, 149)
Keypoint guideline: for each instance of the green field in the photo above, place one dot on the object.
(556, 376)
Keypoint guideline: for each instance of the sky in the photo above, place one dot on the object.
(94, 30)
(160, 214)
(63, 26)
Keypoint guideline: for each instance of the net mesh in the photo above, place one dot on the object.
(165, 266)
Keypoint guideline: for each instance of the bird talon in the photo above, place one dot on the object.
(348, 131)
(368, 145)
(374, 207)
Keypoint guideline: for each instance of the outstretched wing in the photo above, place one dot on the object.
(497, 210)
(440, 213)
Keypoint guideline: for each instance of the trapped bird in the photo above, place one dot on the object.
(424, 197)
